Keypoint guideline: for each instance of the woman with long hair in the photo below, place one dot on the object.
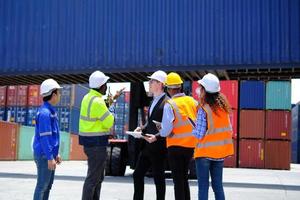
(214, 133)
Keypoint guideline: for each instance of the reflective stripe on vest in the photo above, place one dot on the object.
(93, 119)
(90, 134)
(217, 143)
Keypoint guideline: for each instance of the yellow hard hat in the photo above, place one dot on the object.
(173, 80)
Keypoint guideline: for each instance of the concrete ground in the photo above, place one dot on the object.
(18, 178)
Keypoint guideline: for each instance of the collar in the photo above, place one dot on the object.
(178, 95)
(159, 96)
(49, 106)
(94, 92)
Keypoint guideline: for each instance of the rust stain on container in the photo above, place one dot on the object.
(231, 160)
(76, 150)
(278, 154)
(251, 153)
(278, 125)
(252, 124)
(8, 142)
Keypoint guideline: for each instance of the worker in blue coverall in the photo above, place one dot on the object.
(46, 139)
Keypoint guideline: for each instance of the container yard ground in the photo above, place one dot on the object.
(17, 181)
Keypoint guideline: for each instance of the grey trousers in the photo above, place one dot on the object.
(95, 174)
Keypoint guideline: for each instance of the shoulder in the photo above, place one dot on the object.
(43, 112)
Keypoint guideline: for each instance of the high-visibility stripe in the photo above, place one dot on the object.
(91, 134)
(182, 123)
(181, 135)
(176, 109)
(219, 130)
(45, 133)
(90, 105)
(93, 119)
(217, 143)
(104, 116)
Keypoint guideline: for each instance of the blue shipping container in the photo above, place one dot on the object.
(65, 97)
(78, 92)
(16, 114)
(64, 117)
(296, 134)
(31, 114)
(144, 35)
(74, 126)
(2, 113)
(252, 95)
(278, 95)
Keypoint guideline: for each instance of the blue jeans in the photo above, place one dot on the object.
(45, 178)
(215, 168)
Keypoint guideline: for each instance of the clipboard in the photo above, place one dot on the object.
(135, 134)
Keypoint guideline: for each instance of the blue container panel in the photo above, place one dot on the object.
(278, 95)
(142, 35)
(79, 92)
(2, 113)
(65, 97)
(31, 115)
(17, 114)
(64, 117)
(74, 126)
(252, 95)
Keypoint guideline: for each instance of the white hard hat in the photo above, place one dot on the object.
(211, 83)
(48, 86)
(159, 75)
(97, 79)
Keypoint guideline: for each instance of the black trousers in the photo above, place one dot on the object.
(179, 159)
(145, 161)
(95, 174)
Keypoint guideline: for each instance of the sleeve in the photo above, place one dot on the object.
(201, 124)
(167, 121)
(107, 118)
(45, 133)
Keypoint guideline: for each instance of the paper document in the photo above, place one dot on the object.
(135, 134)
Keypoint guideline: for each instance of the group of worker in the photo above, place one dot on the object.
(178, 128)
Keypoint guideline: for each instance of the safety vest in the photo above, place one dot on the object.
(184, 107)
(95, 118)
(217, 142)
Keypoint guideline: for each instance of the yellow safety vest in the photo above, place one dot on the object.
(95, 118)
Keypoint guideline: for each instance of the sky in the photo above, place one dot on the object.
(295, 89)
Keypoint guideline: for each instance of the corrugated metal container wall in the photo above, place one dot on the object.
(296, 134)
(64, 145)
(234, 123)
(2, 113)
(3, 95)
(277, 154)
(278, 125)
(26, 136)
(74, 124)
(9, 138)
(22, 95)
(64, 116)
(76, 150)
(195, 87)
(231, 160)
(16, 114)
(251, 153)
(252, 95)
(34, 97)
(87, 35)
(231, 90)
(278, 95)
(65, 97)
(252, 124)
(78, 92)
(11, 95)
(31, 114)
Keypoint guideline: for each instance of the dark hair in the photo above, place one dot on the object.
(47, 98)
(217, 101)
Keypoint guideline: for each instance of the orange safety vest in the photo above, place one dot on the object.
(217, 142)
(184, 107)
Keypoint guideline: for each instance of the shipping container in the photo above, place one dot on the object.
(195, 90)
(278, 95)
(251, 153)
(234, 123)
(34, 97)
(74, 124)
(11, 95)
(64, 118)
(296, 134)
(252, 95)
(187, 87)
(22, 95)
(252, 124)
(65, 96)
(278, 125)
(64, 145)
(76, 150)
(26, 137)
(140, 35)
(78, 92)
(31, 115)
(2, 113)
(127, 97)
(9, 140)
(16, 114)
(2, 95)
(231, 161)
(231, 90)
(277, 154)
